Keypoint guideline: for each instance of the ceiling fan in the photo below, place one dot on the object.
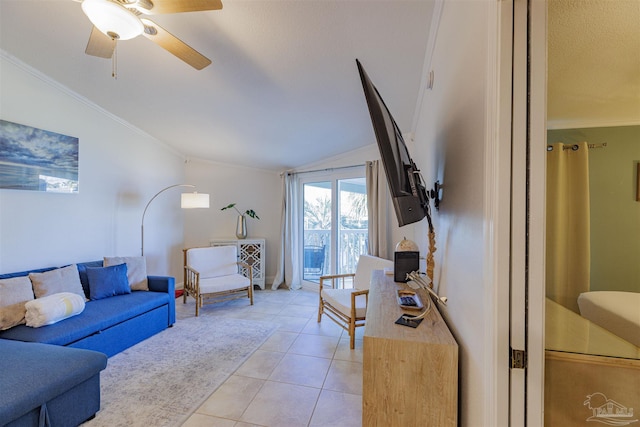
(115, 20)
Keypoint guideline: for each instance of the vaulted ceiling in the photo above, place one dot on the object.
(282, 90)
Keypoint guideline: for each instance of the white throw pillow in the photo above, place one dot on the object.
(53, 308)
(14, 293)
(136, 270)
(65, 279)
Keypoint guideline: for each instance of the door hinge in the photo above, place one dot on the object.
(518, 359)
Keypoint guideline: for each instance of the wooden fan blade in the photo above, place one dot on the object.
(171, 43)
(100, 44)
(157, 7)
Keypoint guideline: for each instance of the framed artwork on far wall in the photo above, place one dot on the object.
(36, 159)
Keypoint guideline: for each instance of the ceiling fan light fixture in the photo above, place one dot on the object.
(112, 19)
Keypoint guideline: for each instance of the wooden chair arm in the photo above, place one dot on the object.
(337, 276)
(191, 278)
(333, 279)
(354, 294)
(248, 267)
(191, 269)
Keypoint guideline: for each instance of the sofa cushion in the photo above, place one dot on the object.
(48, 372)
(97, 316)
(136, 270)
(65, 279)
(14, 293)
(82, 272)
(53, 308)
(107, 282)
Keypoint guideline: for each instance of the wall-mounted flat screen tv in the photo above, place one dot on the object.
(408, 192)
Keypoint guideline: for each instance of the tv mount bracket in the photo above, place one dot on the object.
(436, 194)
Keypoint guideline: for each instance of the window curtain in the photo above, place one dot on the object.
(289, 271)
(568, 254)
(377, 207)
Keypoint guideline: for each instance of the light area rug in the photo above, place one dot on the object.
(164, 379)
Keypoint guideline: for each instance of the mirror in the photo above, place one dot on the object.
(593, 152)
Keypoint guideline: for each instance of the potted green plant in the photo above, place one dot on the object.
(241, 226)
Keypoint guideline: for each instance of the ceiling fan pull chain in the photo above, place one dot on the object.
(114, 61)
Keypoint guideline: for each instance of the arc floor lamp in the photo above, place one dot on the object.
(187, 201)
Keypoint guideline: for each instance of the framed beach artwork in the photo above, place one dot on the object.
(36, 159)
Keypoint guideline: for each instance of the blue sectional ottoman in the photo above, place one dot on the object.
(50, 375)
(46, 385)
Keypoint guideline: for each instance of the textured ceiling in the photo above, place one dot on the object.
(283, 89)
(593, 62)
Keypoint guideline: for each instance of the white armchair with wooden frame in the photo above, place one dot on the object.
(211, 274)
(347, 306)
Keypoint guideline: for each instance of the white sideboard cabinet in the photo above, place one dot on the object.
(251, 251)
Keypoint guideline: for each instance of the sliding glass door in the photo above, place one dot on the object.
(334, 223)
(317, 218)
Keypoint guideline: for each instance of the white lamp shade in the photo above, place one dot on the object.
(194, 200)
(113, 19)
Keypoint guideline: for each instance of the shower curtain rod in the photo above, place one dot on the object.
(324, 170)
(575, 147)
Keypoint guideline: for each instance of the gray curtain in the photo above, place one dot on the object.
(289, 272)
(377, 202)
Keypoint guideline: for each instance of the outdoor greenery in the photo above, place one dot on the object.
(352, 234)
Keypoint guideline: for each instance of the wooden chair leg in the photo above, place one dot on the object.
(352, 333)
(320, 310)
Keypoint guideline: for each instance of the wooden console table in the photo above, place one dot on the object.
(410, 375)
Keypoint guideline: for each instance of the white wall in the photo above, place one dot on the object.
(250, 188)
(256, 189)
(120, 169)
(451, 140)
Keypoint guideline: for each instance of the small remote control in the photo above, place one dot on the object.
(408, 301)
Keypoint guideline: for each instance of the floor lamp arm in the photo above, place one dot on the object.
(147, 206)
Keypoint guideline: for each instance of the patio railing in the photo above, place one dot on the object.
(352, 243)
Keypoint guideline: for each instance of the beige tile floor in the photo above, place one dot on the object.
(303, 375)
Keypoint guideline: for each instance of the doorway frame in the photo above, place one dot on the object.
(536, 210)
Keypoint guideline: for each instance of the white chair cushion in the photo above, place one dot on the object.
(213, 261)
(340, 299)
(366, 265)
(223, 283)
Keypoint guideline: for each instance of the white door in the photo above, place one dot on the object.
(536, 211)
(527, 214)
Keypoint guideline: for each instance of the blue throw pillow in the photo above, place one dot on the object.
(106, 282)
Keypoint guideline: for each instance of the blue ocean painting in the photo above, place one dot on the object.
(36, 159)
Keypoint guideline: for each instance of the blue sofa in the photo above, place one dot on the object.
(105, 327)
